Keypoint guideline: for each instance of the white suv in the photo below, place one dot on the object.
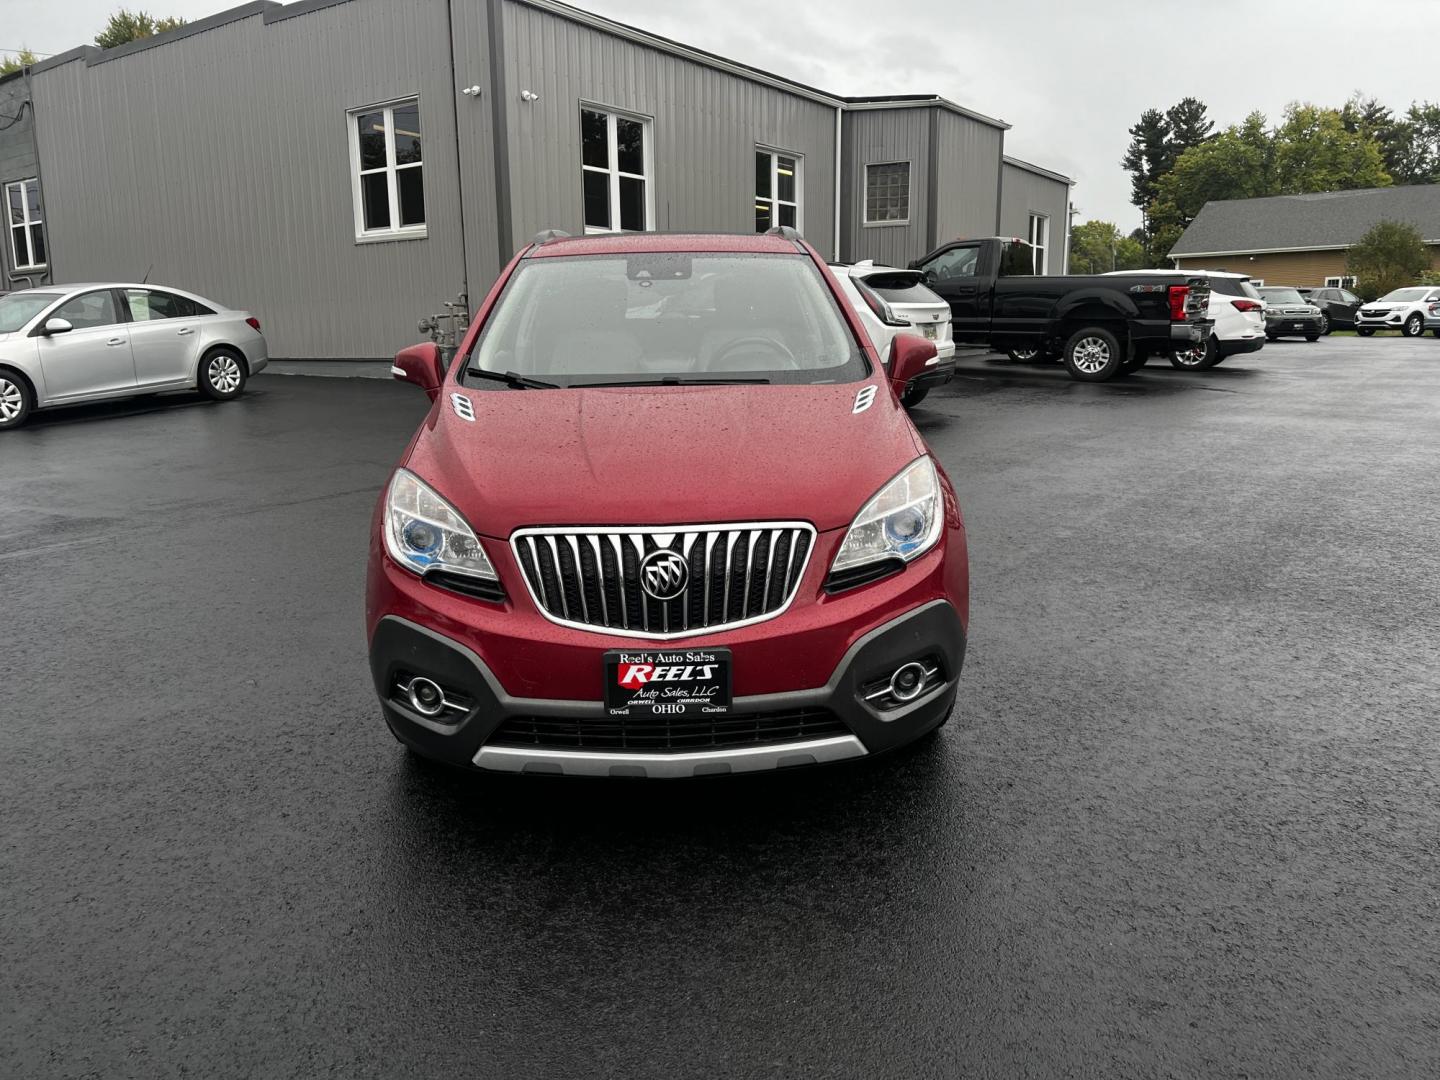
(1402, 309)
(1239, 316)
(889, 302)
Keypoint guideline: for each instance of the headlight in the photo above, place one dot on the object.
(902, 521)
(424, 532)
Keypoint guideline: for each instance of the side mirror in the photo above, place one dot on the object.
(910, 357)
(57, 326)
(422, 366)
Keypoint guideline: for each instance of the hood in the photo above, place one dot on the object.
(670, 455)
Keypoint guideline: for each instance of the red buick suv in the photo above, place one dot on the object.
(666, 517)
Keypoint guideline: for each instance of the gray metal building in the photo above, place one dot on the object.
(342, 167)
(1035, 205)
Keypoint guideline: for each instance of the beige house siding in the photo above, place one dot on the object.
(1299, 268)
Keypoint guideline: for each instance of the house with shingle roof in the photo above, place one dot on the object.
(1302, 239)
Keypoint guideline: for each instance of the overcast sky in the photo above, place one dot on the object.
(1071, 76)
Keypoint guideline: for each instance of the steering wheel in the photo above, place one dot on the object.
(778, 348)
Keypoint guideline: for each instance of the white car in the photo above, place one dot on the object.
(891, 301)
(68, 344)
(1239, 315)
(1402, 309)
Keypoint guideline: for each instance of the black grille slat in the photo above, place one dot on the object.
(550, 577)
(670, 733)
(591, 577)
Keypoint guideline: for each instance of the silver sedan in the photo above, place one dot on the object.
(67, 344)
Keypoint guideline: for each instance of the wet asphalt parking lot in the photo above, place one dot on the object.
(1184, 822)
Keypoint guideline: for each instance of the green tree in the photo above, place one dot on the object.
(1097, 247)
(1190, 125)
(1148, 156)
(1315, 152)
(1235, 164)
(14, 62)
(1390, 256)
(125, 26)
(1312, 150)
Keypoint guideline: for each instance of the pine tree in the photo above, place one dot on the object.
(1147, 157)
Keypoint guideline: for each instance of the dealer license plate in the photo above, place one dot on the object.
(667, 682)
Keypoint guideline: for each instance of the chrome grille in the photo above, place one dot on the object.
(737, 575)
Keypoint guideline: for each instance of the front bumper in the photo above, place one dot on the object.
(505, 661)
(401, 648)
(1292, 325)
(1390, 321)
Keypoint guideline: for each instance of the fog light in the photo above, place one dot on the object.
(426, 697)
(907, 682)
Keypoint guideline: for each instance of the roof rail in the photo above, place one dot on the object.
(544, 236)
(786, 231)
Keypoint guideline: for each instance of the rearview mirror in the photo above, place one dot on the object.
(422, 366)
(57, 326)
(910, 357)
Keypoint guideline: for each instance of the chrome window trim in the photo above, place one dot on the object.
(569, 532)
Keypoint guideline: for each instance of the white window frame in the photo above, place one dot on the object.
(396, 231)
(865, 194)
(774, 197)
(612, 171)
(1345, 281)
(1040, 240)
(28, 263)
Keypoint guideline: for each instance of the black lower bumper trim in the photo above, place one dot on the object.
(932, 632)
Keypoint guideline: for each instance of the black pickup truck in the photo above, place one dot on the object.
(1099, 327)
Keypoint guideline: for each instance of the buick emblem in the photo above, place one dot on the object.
(664, 575)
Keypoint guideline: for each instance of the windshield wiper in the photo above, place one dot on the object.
(511, 379)
(672, 380)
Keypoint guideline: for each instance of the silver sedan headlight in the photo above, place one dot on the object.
(424, 532)
(902, 521)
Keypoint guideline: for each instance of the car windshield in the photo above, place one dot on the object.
(19, 308)
(1282, 296)
(665, 317)
(1405, 296)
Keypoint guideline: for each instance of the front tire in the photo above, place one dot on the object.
(1325, 327)
(1093, 355)
(1198, 357)
(222, 374)
(1025, 356)
(1364, 331)
(16, 400)
(914, 395)
(1414, 325)
(1312, 337)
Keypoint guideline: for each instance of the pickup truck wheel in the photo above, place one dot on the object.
(1415, 325)
(1093, 355)
(1026, 356)
(1197, 357)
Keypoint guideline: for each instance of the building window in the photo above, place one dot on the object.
(1257, 281)
(1345, 282)
(386, 171)
(27, 237)
(615, 171)
(1040, 240)
(887, 193)
(777, 189)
